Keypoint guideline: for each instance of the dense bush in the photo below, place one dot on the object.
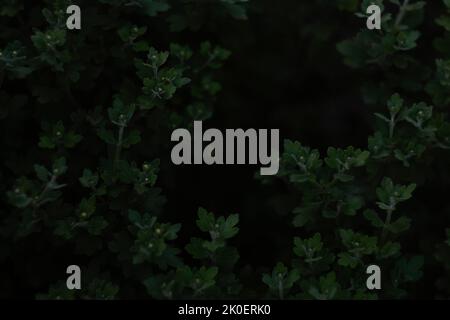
(86, 118)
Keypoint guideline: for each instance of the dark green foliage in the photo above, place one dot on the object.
(88, 116)
(337, 191)
(93, 191)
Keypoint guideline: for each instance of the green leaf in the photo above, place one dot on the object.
(389, 249)
(374, 219)
(344, 159)
(444, 21)
(71, 139)
(237, 11)
(205, 220)
(106, 135)
(395, 104)
(42, 173)
(410, 270)
(129, 33)
(407, 40)
(183, 53)
(46, 143)
(347, 260)
(310, 249)
(18, 198)
(281, 277)
(89, 179)
(157, 59)
(390, 194)
(96, 225)
(134, 217)
(197, 249)
(133, 137)
(120, 113)
(86, 208)
(154, 7)
(304, 214)
(352, 205)
(326, 289)
(59, 166)
(400, 225)
(229, 228)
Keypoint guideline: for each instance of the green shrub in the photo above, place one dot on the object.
(94, 186)
(82, 179)
(336, 192)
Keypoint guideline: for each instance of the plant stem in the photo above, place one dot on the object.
(280, 289)
(386, 223)
(47, 187)
(401, 13)
(207, 62)
(119, 145)
(391, 127)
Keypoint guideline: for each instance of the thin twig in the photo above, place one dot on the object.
(119, 145)
(401, 13)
